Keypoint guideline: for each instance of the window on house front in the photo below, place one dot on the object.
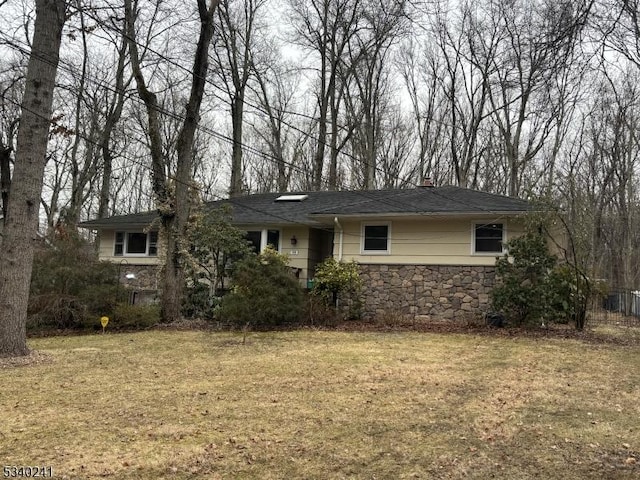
(375, 238)
(137, 244)
(153, 244)
(119, 244)
(254, 237)
(488, 237)
(273, 239)
(258, 238)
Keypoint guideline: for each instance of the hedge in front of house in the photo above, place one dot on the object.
(265, 293)
(70, 288)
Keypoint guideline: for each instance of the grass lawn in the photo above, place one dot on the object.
(313, 404)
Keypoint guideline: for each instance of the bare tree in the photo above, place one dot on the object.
(370, 92)
(618, 22)
(326, 28)
(428, 107)
(394, 150)
(540, 38)
(114, 107)
(235, 58)
(174, 207)
(467, 47)
(10, 99)
(447, 78)
(16, 255)
(599, 184)
(276, 88)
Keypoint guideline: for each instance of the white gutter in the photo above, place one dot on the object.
(335, 220)
(421, 215)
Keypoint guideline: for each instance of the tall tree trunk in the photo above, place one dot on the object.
(174, 210)
(72, 214)
(237, 111)
(318, 158)
(113, 116)
(174, 268)
(5, 178)
(21, 226)
(235, 63)
(332, 180)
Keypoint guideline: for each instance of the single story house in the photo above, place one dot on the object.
(428, 251)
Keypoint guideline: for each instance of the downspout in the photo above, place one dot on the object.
(339, 227)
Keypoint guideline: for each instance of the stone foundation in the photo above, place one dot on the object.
(145, 277)
(426, 292)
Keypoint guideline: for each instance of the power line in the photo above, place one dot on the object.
(226, 101)
(131, 96)
(235, 202)
(175, 116)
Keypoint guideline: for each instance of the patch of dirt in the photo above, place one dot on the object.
(552, 331)
(33, 358)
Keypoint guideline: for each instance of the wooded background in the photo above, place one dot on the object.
(529, 98)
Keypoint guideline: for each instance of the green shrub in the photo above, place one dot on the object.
(335, 281)
(69, 286)
(215, 245)
(532, 288)
(522, 272)
(55, 311)
(565, 295)
(199, 302)
(101, 299)
(265, 293)
(133, 317)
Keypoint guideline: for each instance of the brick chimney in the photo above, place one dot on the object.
(427, 183)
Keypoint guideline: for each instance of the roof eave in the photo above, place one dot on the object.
(113, 225)
(421, 214)
(310, 224)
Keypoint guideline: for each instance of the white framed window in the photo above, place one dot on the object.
(136, 244)
(376, 239)
(488, 238)
(260, 239)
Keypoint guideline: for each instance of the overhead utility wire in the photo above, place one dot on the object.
(176, 116)
(233, 201)
(132, 96)
(225, 100)
(257, 107)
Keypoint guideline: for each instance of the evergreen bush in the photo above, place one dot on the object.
(265, 293)
(70, 287)
(532, 287)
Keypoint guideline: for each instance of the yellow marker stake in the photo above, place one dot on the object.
(104, 321)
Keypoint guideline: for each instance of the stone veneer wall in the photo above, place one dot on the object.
(146, 277)
(427, 292)
(143, 288)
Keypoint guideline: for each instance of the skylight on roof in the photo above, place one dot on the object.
(291, 198)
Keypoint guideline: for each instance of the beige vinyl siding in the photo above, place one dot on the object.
(424, 241)
(299, 253)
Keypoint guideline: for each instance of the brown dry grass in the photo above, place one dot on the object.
(311, 404)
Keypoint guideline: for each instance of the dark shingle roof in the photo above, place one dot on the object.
(133, 220)
(320, 206)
